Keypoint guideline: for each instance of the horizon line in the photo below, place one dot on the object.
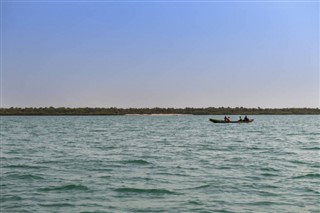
(109, 107)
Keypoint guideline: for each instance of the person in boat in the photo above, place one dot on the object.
(227, 119)
(246, 118)
(240, 119)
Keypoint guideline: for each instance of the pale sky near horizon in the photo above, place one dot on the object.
(160, 54)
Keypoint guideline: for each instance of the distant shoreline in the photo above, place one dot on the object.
(157, 114)
(48, 111)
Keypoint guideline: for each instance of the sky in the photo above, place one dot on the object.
(160, 54)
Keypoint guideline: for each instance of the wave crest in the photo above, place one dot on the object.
(139, 190)
(65, 187)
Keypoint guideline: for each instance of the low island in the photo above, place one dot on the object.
(157, 111)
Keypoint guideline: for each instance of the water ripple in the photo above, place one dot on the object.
(140, 190)
(159, 164)
(65, 188)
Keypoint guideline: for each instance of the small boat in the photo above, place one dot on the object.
(223, 121)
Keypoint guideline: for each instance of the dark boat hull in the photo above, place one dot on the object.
(222, 121)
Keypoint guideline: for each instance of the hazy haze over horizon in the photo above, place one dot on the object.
(160, 54)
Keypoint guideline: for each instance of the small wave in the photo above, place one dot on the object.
(256, 148)
(311, 148)
(141, 162)
(267, 194)
(269, 175)
(194, 202)
(298, 162)
(24, 177)
(64, 188)
(20, 166)
(148, 191)
(200, 187)
(171, 174)
(57, 205)
(98, 130)
(4, 198)
(105, 177)
(262, 203)
(254, 177)
(307, 176)
(106, 147)
(101, 169)
(268, 186)
(315, 166)
(110, 207)
(269, 169)
(224, 167)
(315, 191)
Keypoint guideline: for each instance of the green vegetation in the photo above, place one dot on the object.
(124, 111)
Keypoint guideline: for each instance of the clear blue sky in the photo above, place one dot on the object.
(160, 54)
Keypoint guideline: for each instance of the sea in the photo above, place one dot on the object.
(159, 164)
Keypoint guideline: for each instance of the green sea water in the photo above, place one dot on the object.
(159, 164)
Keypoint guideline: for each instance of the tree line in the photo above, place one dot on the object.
(156, 110)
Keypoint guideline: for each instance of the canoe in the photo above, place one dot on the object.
(223, 121)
